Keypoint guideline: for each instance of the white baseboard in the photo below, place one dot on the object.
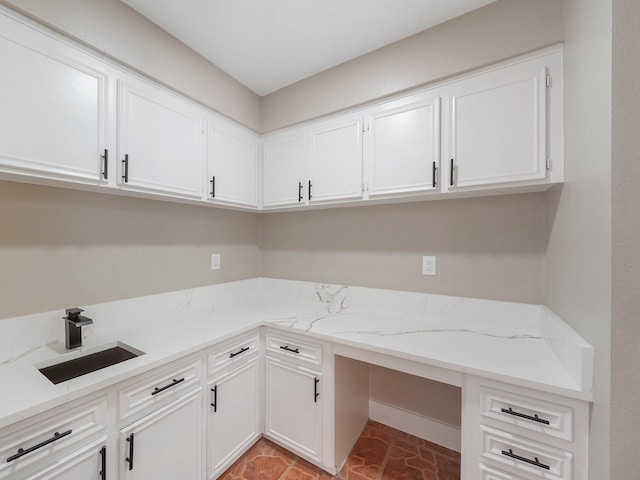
(417, 425)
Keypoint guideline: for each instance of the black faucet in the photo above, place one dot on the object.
(72, 327)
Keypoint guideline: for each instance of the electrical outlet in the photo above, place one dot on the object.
(215, 261)
(429, 265)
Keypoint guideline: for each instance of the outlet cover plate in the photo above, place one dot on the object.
(428, 265)
(215, 261)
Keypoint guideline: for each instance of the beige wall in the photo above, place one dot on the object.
(625, 331)
(117, 30)
(490, 247)
(498, 31)
(578, 281)
(64, 248)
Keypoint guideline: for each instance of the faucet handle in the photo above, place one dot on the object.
(73, 313)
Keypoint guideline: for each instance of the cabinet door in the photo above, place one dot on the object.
(335, 160)
(165, 444)
(498, 127)
(232, 164)
(233, 420)
(294, 407)
(285, 181)
(85, 464)
(53, 114)
(403, 146)
(160, 141)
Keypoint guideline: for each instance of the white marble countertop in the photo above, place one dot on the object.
(518, 343)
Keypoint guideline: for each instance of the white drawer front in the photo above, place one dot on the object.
(294, 348)
(528, 413)
(532, 459)
(235, 351)
(488, 473)
(50, 436)
(156, 389)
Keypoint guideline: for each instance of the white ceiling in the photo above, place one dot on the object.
(269, 44)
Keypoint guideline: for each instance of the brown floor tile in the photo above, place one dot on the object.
(380, 453)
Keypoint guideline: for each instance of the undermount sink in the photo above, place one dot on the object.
(103, 357)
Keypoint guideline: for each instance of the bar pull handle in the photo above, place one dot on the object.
(103, 463)
(289, 349)
(173, 383)
(433, 175)
(299, 191)
(129, 459)
(235, 354)
(213, 186)
(310, 185)
(105, 164)
(316, 394)
(535, 417)
(451, 173)
(24, 451)
(535, 462)
(214, 404)
(125, 164)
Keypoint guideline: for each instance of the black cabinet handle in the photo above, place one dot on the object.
(535, 417)
(535, 462)
(235, 354)
(125, 164)
(451, 174)
(299, 191)
(214, 404)
(173, 383)
(433, 175)
(129, 459)
(103, 463)
(310, 185)
(315, 389)
(23, 451)
(105, 166)
(213, 186)
(289, 349)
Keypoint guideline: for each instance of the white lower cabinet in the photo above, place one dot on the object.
(294, 407)
(86, 464)
(166, 444)
(233, 419)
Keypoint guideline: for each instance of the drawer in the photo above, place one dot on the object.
(234, 351)
(157, 388)
(41, 441)
(531, 414)
(293, 348)
(488, 473)
(531, 459)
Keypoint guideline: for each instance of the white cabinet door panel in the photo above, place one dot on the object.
(53, 115)
(162, 136)
(233, 161)
(85, 464)
(403, 145)
(284, 180)
(335, 161)
(498, 127)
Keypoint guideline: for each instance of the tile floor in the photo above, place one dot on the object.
(381, 453)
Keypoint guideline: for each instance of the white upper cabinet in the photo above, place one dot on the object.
(402, 146)
(335, 160)
(232, 158)
(498, 123)
(283, 168)
(161, 146)
(53, 114)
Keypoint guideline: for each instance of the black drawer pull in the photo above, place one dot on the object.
(129, 459)
(309, 192)
(173, 383)
(235, 354)
(299, 191)
(433, 175)
(125, 164)
(535, 418)
(451, 174)
(105, 158)
(535, 462)
(214, 404)
(315, 389)
(103, 463)
(289, 349)
(213, 186)
(23, 451)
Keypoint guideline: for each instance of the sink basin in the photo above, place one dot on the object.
(89, 362)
